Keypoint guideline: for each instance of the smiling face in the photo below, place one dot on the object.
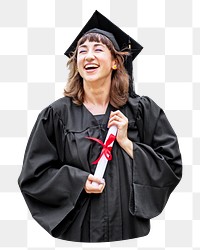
(94, 61)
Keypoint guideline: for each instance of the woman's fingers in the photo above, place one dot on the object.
(117, 118)
(118, 114)
(95, 179)
(98, 187)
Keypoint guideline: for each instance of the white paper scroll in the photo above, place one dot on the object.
(101, 165)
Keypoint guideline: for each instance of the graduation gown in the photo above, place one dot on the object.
(58, 160)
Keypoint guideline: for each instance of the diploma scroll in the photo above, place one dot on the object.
(103, 160)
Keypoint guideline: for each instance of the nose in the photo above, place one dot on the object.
(89, 56)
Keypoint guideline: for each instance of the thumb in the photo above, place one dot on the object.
(96, 179)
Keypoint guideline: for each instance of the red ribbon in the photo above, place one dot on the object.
(106, 148)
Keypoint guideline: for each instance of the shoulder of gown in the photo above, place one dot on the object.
(142, 107)
(59, 106)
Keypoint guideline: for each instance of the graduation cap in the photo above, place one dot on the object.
(100, 24)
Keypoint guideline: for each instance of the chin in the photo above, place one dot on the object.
(91, 79)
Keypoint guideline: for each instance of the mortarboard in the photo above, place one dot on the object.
(100, 24)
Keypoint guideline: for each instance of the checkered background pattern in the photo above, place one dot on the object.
(34, 34)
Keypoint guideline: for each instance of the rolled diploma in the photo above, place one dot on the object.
(101, 165)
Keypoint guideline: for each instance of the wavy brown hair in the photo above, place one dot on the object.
(119, 80)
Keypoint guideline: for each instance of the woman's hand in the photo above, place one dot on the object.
(89, 188)
(118, 119)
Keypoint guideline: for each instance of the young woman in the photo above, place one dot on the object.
(57, 174)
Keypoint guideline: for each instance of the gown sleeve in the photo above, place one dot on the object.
(157, 165)
(51, 188)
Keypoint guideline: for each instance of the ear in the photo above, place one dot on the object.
(114, 64)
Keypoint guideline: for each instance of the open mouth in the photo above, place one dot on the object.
(91, 67)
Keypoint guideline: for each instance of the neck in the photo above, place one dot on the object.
(96, 97)
(96, 93)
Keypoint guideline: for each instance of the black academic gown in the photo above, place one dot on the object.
(58, 160)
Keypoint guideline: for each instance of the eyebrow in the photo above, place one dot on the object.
(95, 45)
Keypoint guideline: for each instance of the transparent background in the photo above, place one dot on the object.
(34, 34)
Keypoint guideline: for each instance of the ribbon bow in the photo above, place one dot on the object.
(106, 148)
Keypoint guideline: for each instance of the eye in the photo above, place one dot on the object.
(98, 50)
(82, 51)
